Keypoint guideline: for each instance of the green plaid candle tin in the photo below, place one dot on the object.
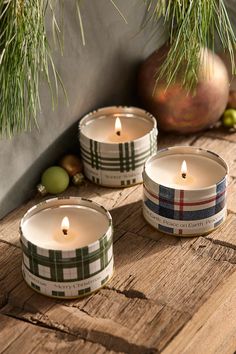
(52, 264)
(115, 158)
(191, 207)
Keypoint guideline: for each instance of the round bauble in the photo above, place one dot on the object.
(72, 164)
(177, 110)
(229, 118)
(55, 180)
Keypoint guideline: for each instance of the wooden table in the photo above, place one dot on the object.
(168, 294)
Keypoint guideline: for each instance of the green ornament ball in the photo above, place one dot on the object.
(229, 118)
(55, 179)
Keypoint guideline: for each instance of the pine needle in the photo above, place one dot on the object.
(118, 10)
(24, 57)
(80, 22)
(192, 25)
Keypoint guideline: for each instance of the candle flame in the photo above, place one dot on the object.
(118, 126)
(184, 169)
(65, 225)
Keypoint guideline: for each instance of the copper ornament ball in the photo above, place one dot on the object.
(175, 109)
(72, 164)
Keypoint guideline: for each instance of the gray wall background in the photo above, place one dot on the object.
(99, 74)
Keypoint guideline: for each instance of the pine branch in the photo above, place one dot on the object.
(24, 57)
(192, 25)
(25, 54)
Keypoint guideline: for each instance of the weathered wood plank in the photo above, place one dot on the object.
(166, 140)
(221, 133)
(130, 218)
(212, 328)
(79, 324)
(19, 336)
(160, 281)
(10, 265)
(10, 330)
(9, 226)
(225, 149)
(170, 271)
(231, 196)
(225, 235)
(125, 208)
(156, 288)
(149, 321)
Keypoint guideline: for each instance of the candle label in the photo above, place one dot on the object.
(68, 289)
(182, 212)
(117, 169)
(186, 227)
(114, 178)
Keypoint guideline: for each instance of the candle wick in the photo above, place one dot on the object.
(118, 133)
(184, 175)
(65, 232)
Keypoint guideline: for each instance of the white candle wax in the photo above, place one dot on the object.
(102, 128)
(201, 171)
(86, 226)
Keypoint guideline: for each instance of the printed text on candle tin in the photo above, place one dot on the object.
(179, 224)
(77, 285)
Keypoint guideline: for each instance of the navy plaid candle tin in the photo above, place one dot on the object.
(182, 212)
(68, 273)
(116, 164)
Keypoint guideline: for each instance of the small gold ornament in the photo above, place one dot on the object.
(78, 179)
(72, 164)
(41, 189)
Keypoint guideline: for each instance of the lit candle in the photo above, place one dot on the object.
(116, 128)
(67, 244)
(185, 191)
(65, 225)
(184, 169)
(50, 228)
(119, 135)
(115, 142)
(190, 171)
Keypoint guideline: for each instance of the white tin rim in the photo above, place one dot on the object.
(55, 202)
(116, 110)
(186, 149)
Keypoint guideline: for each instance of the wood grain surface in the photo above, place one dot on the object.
(168, 294)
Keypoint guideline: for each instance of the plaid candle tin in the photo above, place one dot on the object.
(116, 164)
(182, 212)
(68, 273)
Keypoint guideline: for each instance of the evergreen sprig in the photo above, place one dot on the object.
(193, 24)
(25, 58)
(24, 55)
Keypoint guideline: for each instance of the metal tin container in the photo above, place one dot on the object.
(184, 212)
(67, 273)
(117, 164)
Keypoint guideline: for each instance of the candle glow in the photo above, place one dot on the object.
(184, 169)
(118, 126)
(65, 225)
